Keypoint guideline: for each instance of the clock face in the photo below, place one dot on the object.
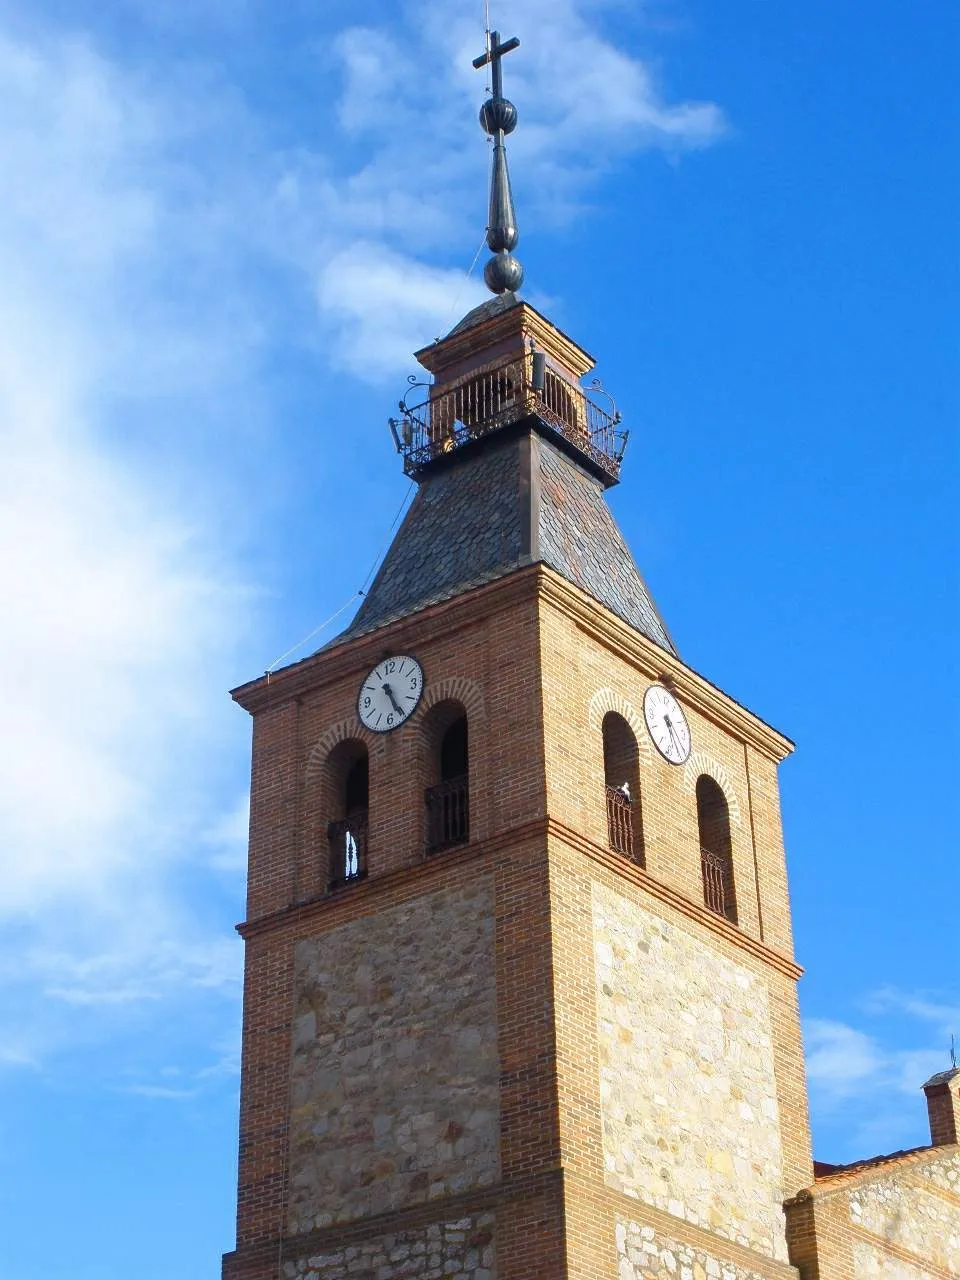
(389, 694)
(667, 724)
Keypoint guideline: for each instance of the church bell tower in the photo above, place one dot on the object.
(520, 995)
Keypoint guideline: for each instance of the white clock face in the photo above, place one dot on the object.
(390, 693)
(667, 724)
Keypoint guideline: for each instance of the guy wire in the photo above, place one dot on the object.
(356, 595)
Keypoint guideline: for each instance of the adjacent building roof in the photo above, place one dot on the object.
(515, 501)
(833, 1173)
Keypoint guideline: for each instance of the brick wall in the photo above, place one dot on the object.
(534, 663)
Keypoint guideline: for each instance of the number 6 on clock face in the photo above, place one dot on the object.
(390, 692)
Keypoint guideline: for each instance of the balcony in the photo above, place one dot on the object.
(439, 421)
(347, 840)
(448, 814)
(717, 886)
(619, 822)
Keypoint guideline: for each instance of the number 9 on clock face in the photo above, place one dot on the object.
(390, 693)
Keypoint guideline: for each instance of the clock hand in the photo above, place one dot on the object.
(396, 706)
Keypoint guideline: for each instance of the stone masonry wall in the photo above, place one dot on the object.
(910, 1217)
(871, 1263)
(903, 1209)
(645, 1255)
(461, 1250)
(395, 1073)
(688, 1095)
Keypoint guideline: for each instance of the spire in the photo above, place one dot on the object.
(498, 117)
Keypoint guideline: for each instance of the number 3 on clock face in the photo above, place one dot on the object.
(390, 692)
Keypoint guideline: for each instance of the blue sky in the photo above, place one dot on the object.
(224, 227)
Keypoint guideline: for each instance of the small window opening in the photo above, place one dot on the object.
(716, 853)
(448, 801)
(621, 770)
(347, 833)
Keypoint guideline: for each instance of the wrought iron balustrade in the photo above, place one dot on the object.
(619, 822)
(440, 421)
(448, 814)
(347, 841)
(717, 886)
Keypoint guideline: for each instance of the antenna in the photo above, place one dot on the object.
(953, 1051)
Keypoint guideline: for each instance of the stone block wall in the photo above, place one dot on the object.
(910, 1217)
(395, 1070)
(897, 1218)
(688, 1093)
(645, 1254)
(463, 1249)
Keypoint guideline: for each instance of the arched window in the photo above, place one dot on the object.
(348, 787)
(621, 773)
(716, 855)
(447, 799)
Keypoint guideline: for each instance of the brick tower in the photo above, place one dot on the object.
(520, 996)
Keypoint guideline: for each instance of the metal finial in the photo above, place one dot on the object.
(498, 117)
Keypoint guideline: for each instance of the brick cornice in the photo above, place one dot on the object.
(654, 662)
(479, 1200)
(432, 622)
(628, 870)
(360, 895)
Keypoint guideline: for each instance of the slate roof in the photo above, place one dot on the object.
(486, 310)
(515, 501)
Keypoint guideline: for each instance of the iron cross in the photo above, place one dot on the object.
(494, 55)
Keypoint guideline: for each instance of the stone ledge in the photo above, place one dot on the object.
(278, 1249)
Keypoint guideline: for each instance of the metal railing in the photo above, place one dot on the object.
(448, 814)
(619, 822)
(718, 884)
(347, 840)
(445, 419)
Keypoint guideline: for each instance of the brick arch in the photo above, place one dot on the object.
(700, 763)
(337, 733)
(455, 689)
(605, 700)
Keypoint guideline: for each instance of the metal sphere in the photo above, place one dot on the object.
(503, 274)
(498, 113)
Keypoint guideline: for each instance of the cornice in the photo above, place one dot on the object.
(628, 870)
(517, 322)
(360, 897)
(656, 663)
(432, 622)
(365, 891)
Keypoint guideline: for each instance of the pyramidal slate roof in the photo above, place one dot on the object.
(490, 511)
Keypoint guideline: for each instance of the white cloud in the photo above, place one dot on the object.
(844, 1061)
(382, 302)
(154, 243)
(942, 1015)
(839, 1057)
(408, 103)
(227, 836)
